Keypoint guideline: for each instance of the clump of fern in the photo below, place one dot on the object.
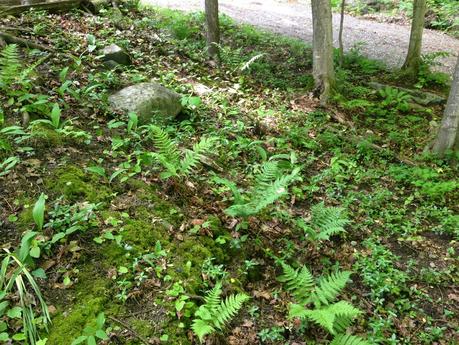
(325, 222)
(271, 184)
(216, 312)
(316, 300)
(10, 66)
(176, 163)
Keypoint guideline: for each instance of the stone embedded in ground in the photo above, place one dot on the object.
(116, 54)
(147, 100)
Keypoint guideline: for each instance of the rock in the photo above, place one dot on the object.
(114, 53)
(147, 100)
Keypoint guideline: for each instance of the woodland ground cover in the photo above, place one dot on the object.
(274, 198)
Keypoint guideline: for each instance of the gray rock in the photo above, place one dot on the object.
(147, 100)
(116, 54)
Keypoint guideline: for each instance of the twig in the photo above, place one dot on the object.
(14, 28)
(130, 330)
(23, 42)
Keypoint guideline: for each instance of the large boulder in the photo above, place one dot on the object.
(147, 100)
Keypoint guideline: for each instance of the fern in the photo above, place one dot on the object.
(10, 65)
(264, 193)
(325, 222)
(169, 156)
(330, 287)
(334, 317)
(216, 313)
(348, 339)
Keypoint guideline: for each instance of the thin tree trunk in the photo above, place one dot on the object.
(213, 29)
(448, 134)
(413, 58)
(322, 59)
(340, 37)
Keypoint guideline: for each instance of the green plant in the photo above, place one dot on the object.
(7, 165)
(170, 157)
(335, 317)
(270, 185)
(325, 222)
(348, 339)
(17, 280)
(92, 333)
(395, 98)
(216, 312)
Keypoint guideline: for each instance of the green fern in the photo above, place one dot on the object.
(216, 313)
(334, 317)
(264, 193)
(348, 339)
(10, 65)
(169, 156)
(325, 222)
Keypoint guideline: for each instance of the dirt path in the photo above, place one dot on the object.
(382, 41)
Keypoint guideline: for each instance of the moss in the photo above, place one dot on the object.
(142, 234)
(72, 182)
(90, 296)
(46, 137)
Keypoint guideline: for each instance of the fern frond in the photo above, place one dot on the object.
(269, 172)
(299, 282)
(232, 187)
(10, 65)
(323, 317)
(213, 297)
(204, 145)
(328, 221)
(348, 339)
(330, 287)
(229, 308)
(166, 147)
(201, 328)
(189, 162)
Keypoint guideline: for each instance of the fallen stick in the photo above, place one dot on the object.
(62, 5)
(23, 42)
(130, 330)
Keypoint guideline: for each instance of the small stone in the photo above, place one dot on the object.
(114, 53)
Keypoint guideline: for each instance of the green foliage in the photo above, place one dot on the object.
(216, 312)
(169, 155)
(325, 222)
(270, 185)
(335, 317)
(10, 66)
(394, 98)
(16, 280)
(348, 339)
(91, 333)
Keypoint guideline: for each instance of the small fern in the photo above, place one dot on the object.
(169, 155)
(216, 313)
(270, 186)
(348, 339)
(10, 65)
(335, 317)
(325, 222)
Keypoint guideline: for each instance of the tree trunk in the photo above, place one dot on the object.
(340, 36)
(322, 43)
(448, 134)
(213, 28)
(413, 58)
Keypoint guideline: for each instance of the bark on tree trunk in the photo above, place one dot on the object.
(413, 58)
(448, 134)
(340, 36)
(213, 28)
(322, 60)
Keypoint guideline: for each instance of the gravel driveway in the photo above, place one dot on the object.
(382, 41)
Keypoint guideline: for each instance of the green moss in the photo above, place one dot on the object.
(46, 137)
(90, 297)
(72, 182)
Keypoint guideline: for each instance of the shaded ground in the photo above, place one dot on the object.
(381, 41)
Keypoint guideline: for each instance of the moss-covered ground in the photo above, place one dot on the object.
(143, 244)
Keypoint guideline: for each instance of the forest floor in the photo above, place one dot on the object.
(283, 181)
(387, 42)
